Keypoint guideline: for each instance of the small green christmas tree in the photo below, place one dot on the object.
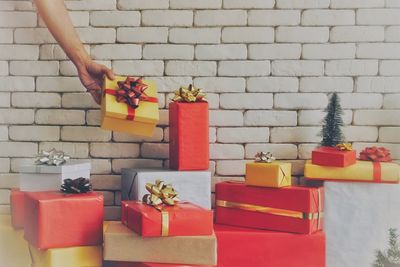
(391, 257)
(332, 124)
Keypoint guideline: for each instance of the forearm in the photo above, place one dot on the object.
(56, 17)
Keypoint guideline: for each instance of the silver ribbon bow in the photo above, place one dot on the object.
(51, 158)
(264, 157)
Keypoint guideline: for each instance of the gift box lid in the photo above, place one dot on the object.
(147, 112)
(71, 166)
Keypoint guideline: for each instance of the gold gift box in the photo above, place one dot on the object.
(122, 244)
(114, 114)
(275, 174)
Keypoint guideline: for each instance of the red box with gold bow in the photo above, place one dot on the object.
(130, 105)
(241, 247)
(58, 220)
(17, 199)
(333, 157)
(182, 219)
(289, 209)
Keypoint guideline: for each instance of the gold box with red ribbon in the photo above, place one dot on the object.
(274, 174)
(129, 105)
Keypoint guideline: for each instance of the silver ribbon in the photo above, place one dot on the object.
(264, 157)
(51, 158)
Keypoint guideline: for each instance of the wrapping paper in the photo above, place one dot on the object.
(333, 157)
(89, 256)
(17, 200)
(183, 219)
(188, 136)
(14, 251)
(362, 171)
(240, 247)
(192, 186)
(57, 220)
(289, 209)
(114, 114)
(35, 178)
(275, 174)
(122, 244)
(357, 221)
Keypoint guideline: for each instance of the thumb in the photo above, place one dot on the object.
(108, 72)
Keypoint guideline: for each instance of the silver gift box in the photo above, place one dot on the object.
(192, 186)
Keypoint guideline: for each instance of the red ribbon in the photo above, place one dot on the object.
(131, 91)
(376, 155)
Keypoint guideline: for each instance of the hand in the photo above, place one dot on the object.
(91, 75)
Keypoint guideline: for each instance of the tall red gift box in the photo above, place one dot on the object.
(188, 136)
(17, 208)
(182, 219)
(333, 157)
(58, 220)
(290, 209)
(241, 247)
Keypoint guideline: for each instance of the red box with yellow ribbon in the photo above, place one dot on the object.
(333, 157)
(182, 219)
(289, 209)
(17, 199)
(130, 105)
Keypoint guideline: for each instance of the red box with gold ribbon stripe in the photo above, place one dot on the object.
(289, 209)
(333, 157)
(17, 208)
(129, 105)
(182, 219)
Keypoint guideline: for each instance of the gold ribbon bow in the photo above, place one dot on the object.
(264, 157)
(345, 147)
(189, 94)
(51, 158)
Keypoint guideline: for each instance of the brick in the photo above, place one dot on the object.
(274, 17)
(123, 137)
(103, 182)
(16, 5)
(246, 101)
(78, 100)
(4, 68)
(305, 150)
(34, 133)
(115, 18)
(280, 151)
(109, 150)
(221, 52)
(270, 118)
(97, 35)
(34, 68)
(195, 35)
(78, 18)
(392, 34)
(329, 51)
(84, 134)
(17, 19)
(19, 52)
(389, 68)
(6, 36)
(195, 4)
(3, 133)
(16, 116)
(4, 165)
(167, 18)
(74, 150)
(194, 68)
(91, 5)
(351, 67)
(378, 84)
(67, 68)
(168, 84)
(243, 135)
(108, 197)
(55, 52)
(360, 133)
(17, 84)
(221, 84)
(142, 35)
(112, 213)
(272, 84)
(389, 134)
(392, 3)
(60, 117)
(274, 51)
(377, 117)
(5, 100)
(141, 67)
(167, 51)
(36, 100)
(328, 17)
(357, 3)
(93, 117)
(9, 180)
(357, 33)
(326, 84)
(143, 4)
(249, 4)
(155, 151)
(391, 101)
(297, 68)
(5, 196)
(244, 68)
(300, 101)
(248, 35)
(302, 4)
(59, 84)
(5, 209)
(220, 18)
(116, 51)
(226, 118)
(118, 164)
(231, 167)
(226, 151)
(100, 166)
(315, 117)
(302, 34)
(16, 163)
(379, 50)
(33, 36)
(361, 101)
(378, 16)
(295, 134)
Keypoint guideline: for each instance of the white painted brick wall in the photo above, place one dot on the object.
(268, 66)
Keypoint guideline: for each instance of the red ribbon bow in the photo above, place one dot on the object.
(376, 154)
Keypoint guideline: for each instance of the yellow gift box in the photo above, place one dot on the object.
(14, 250)
(91, 256)
(362, 171)
(275, 174)
(117, 116)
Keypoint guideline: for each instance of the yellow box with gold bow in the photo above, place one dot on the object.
(274, 174)
(67, 257)
(129, 105)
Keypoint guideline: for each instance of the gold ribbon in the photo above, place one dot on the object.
(164, 223)
(264, 157)
(345, 147)
(189, 94)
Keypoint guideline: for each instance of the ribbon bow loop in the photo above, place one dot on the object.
(51, 158)
(189, 94)
(76, 186)
(376, 154)
(131, 91)
(345, 147)
(160, 194)
(264, 157)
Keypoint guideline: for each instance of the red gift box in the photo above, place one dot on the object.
(333, 157)
(183, 219)
(148, 264)
(17, 208)
(188, 136)
(58, 220)
(289, 209)
(240, 247)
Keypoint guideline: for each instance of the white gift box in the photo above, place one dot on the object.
(358, 217)
(192, 186)
(35, 178)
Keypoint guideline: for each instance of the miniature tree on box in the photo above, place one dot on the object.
(332, 124)
(391, 257)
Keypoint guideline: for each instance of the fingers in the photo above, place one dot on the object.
(108, 72)
(96, 94)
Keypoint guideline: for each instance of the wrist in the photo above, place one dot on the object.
(81, 59)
